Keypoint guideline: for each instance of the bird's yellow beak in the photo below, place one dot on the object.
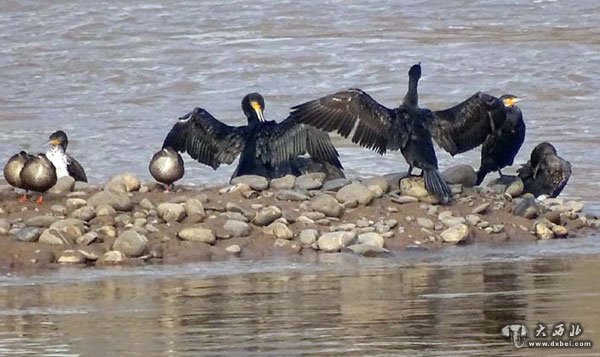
(509, 102)
(258, 109)
(54, 142)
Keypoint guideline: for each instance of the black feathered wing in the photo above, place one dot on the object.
(351, 112)
(287, 140)
(467, 125)
(75, 169)
(206, 139)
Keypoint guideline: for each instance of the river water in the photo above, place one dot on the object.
(450, 303)
(115, 75)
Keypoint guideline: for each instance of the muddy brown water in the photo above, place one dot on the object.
(116, 74)
(453, 302)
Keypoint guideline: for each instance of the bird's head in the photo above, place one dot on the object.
(415, 71)
(59, 138)
(42, 159)
(541, 153)
(253, 106)
(545, 149)
(169, 151)
(509, 100)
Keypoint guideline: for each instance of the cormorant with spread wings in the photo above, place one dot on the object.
(379, 128)
(497, 123)
(267, 148)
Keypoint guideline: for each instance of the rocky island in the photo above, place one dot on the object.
(125, 221)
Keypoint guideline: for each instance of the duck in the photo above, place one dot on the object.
(39, 175)
(12, 171)
(266, 148)
(64, 163)
(166, 166)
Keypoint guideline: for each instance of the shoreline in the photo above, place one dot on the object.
(125, 222)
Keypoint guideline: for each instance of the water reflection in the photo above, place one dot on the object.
(353, 306)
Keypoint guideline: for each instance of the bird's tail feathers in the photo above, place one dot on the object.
(435, 183)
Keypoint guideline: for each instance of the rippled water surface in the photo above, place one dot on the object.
(116, 74)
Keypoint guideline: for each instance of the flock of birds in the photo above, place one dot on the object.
(40, 172)
(272, 149)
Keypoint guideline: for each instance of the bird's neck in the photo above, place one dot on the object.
(513, 109)
(253, 120)
(56, 149)
(412, 97)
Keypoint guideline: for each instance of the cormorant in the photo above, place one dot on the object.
(481, 119)
(12, 171)
(545, 172)
(379, 128)
(167, 167)
(503, 144)
(266, 148)
(64, 163)
(38, 174)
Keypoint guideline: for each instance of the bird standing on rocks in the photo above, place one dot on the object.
(167, 167)
(379, 128)
(266, 148)
(38, 174)
(545, 173)
(65, 164)
(503, 144)
(12, 171)
(497, 123)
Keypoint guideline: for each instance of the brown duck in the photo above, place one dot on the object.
(39, 175)
(12, 171)
(167, 167)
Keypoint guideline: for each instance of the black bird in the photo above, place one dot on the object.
(267, 148)
(545, 173)
(379, 128)
(502, 145)
(467, 125)
(482, 119)
(64, 163)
